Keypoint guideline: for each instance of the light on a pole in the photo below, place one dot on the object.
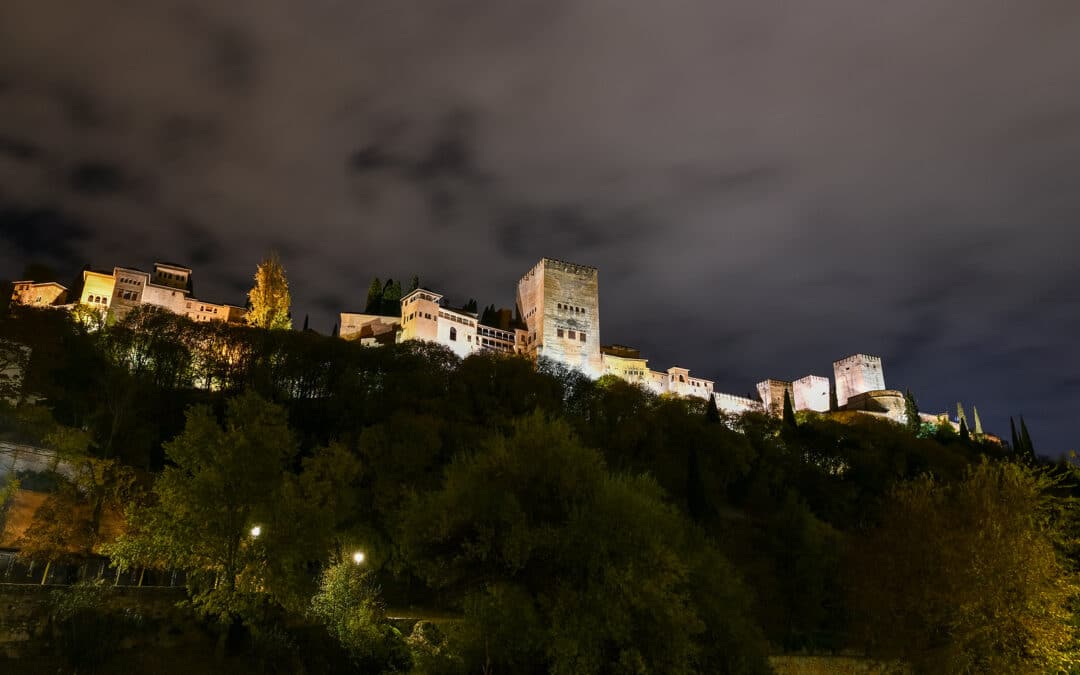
(358, 557)
(256, 531)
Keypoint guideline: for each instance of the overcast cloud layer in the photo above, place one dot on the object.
(765, 186)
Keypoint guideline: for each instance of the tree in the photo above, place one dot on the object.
(967, 576)
(1025, 439)
(391, 298)
(224, 480)
(965, 435)
(269, 298)
(978, 422)
(789, 411)
(374, 297)
(565, 568)
(348, 603)
(911, 413)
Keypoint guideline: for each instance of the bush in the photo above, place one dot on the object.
(86, 633)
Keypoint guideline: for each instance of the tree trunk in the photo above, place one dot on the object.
(46, 574)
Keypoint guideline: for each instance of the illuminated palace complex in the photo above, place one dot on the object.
(559, 319)
(124, 288)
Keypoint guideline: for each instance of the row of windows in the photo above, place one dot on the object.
(170, 275)
(456, 319)
(420, 296)
(693, 383)
(98, 299)
(129, 295)
(418, 315)
(573, 335)
(129, 280)
(572, 308)
(495, 333)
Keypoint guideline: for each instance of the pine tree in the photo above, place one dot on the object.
(374, 297)
(911, 412)
(1015, 439)
(978, 422)
(414, 284)
(269, 299)
(334, 331)
(965, 435)
(305, 322)
(470, 306)
(789, 411)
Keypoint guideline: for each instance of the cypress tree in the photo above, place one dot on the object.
(391, 298)
(978, 422)
(334, 331)
(789, 411)
(911, 412)
(305, 322)
(960, 416)
(712, 413)
(1025, 439)
(965, 435)
(374, 297)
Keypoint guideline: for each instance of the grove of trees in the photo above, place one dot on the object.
(544, 521)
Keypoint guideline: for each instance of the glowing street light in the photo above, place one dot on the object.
(256, 531)
(358, 557)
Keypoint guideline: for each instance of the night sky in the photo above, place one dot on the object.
(765, 187)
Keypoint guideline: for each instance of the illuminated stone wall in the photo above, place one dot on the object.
(811, 393)
(560, 304)
(857, 374)
(41, 294)
(97, 290)
(772, 395)
(735, 405)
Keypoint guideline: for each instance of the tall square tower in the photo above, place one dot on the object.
(560, 305)
(857, 374)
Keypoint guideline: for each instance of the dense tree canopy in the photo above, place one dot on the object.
(568, 525)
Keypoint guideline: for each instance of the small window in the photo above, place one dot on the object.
(453, 333)
(572, 336)
(581, 336)
(560, 332)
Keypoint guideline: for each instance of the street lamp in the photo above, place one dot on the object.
(256, 531)
(358, 557)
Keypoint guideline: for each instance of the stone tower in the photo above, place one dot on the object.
(772, 395)
(560, 305)
(857, 374)
(811, 393)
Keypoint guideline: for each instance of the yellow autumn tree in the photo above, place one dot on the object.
(269, 299)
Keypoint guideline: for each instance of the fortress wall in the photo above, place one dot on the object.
(772, 395)
(811, 393)
(857, 374)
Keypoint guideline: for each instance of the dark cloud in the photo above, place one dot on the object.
(763, 188)
(43, 235)
(15, 148)
(370, 158)
(95, 178)
(232, 58)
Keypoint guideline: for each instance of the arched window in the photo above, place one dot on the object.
(453, 333)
